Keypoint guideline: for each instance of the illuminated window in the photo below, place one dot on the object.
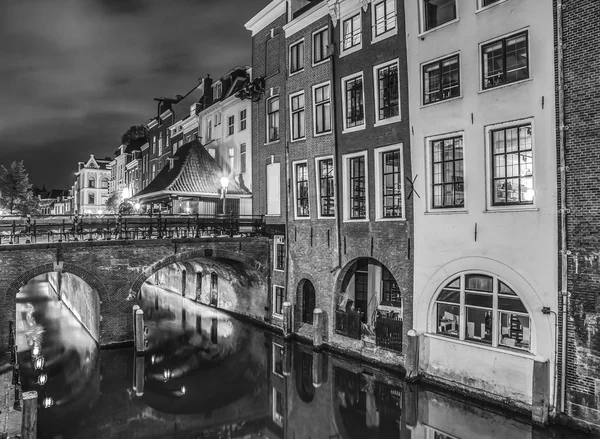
(326, 188)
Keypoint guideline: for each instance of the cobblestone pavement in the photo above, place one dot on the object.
(10, 419)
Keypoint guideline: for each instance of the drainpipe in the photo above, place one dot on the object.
(563, 201)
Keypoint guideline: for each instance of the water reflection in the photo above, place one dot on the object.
(205, 374)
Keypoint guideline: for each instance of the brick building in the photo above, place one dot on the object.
(578, 106)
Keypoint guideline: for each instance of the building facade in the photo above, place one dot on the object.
(90, 190)
(482, 117)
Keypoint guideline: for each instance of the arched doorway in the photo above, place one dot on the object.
(307, 292)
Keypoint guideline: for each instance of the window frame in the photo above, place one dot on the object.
(275, 313)
(301, 60)
(230, 125)
(344, 80)
(243, 122)
(503, 38)
(379, 183)
(278, 240)
(355, 47)
(315, 104)
(277, 166)
(376, 68)
(496, 311)
(325, 58)
(295, 165)
(388, 33)
(276, 346)
(277, 138)
(439, 61)
(482, 7)
(431, 184)
(243, 157)
(346, 185)
(301, 113)
(423, 21)
(490, 205)
(318, 181)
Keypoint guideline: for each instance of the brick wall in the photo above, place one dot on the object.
(582, 107)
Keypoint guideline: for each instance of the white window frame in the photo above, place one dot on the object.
(314, 109)
(278, 240)
(293, 95)
(429, 176)
(376, 38)
(267, 121)
(295, 189)
(274, 301)
(318, 186)
(345, 79)
(277, 418)
(488, 167)
(346, 186)
(481, 8)
(243, 158)
(230, 125)
(356, 48)
(437, 60)
(379, 183)
(243, 120)
(278, 213)
(312, 47)
(218, 90)
(422, 30)
(394, 119)
(303, 59)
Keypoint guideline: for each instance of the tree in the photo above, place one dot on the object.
(134, 132)
(16, 193)
(113, 202)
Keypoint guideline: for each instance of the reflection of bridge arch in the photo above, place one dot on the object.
(183, 257)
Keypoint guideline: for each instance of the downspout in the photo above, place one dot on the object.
(563, 202)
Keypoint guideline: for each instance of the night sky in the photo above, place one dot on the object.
(75, 74)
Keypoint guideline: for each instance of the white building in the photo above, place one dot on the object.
(90, 190)
(483, 156)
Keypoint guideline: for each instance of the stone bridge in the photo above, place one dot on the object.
(116, 271)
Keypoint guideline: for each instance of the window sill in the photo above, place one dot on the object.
(510, 84)
(324, 133)
(448, 211)
(353, 129)
(511, 209)
(485, 8)
(497, 349)
(299, 139)
(319, 63)
(397, 219)
(361, 220)
(279, 270)
(350, 51)
(277, 316)
(422, 35)
(272, 142)
(301, 218)
(319, 217)
(387, 121)
(443, 101)
(384, 36)
(296, 72)
(273, 215)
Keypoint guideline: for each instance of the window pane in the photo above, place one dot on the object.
(479, 282)
(514, 331)
(449, 296)
(448, 319)
(483, 300)
(438, 12)
(479, 325)
(511, 304)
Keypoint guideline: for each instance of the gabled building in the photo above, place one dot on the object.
(90, 190)
(119, 181)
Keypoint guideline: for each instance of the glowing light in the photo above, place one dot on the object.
(153, 359)
(137, 206)
(126, 193)
(183, 390)
(166, 375)
(47, 402)
(224, 182)
(38, 363)
(529, 195)
(37, 350)
(42, 379)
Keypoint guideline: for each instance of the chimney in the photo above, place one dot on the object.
(207, 95)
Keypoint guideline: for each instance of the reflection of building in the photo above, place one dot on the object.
(54, 202)
(482, 111)
(90, 190)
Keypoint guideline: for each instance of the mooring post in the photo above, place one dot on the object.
(287, 359)
(287, 319)
(29, 423)
(140, 370)
(135, 308)
(540, 390)
(410, 409)
(318, 325)
(317, 369)
(139, 331)
(412, 355)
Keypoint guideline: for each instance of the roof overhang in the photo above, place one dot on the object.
(266, 16)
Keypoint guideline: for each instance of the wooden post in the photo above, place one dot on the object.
(29, 423)
(135, 308)
(140, 367)
(139, 331)
(318, 327)
(540, 390)
(412, 355)
(287, 359)
(317, 369)
(287, 319)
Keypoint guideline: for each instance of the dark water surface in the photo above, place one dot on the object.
(208, 375)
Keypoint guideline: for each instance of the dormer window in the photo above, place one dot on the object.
(217, 91)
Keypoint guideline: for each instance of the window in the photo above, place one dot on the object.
(441, 80)
(512, 165)
(278, 359)
(91, 182)
(297, 115)
(390, 188)
(390, 292)
(326, 187)
(386, 92)
(217, 90)
(278, 299)
(437, 12)
(322, 110)
(273, 189)
(242, 120)
(279, 253)
(493, 313)
(384, 17)
(91, 199)
(231, 125)
(243, 158)
(320, 43)
(209, 131)
(357, 187)
(278, 416)
(354, 115)
(104, 184)
(153, 169)
(484, 3)
(301, 174)
(154, 145)
(273, 119)
(447, 173)
(505, 61)
(297, 57)
(351, 32)
(160, 143)
(231, 156)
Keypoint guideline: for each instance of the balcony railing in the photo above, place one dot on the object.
(131, 227)
(388, 333)
(348, 323)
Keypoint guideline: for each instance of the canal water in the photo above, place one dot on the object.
(206, 374)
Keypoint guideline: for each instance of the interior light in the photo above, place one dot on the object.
(42, 379)
(47, 402)
(529, 195)
(38, 363)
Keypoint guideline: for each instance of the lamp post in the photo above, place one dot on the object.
(224, 186)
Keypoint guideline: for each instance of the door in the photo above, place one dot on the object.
(308, 302)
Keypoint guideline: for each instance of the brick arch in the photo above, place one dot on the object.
(187, 255)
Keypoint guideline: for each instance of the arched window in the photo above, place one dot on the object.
(104, 183)
(482, 309)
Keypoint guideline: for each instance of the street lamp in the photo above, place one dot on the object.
(224, 186)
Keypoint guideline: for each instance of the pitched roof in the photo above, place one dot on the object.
(194, 172)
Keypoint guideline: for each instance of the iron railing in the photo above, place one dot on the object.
(388, 333)
(45, 229)
(348, 323)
